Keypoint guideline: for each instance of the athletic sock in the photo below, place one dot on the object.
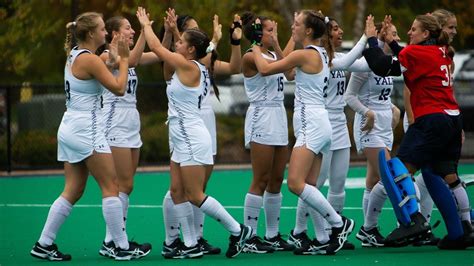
(365, 201)
(198, 222)
(170, 220)
(337, 200)
(58, 212)
(213, 208)
(377, 198)
(426, 203)
(253, 204)
(319, 225)
(462, 201)
(185, 216)
(315, 199)
(113, 216)
(272, 206)
(125, 202)
(302, 214)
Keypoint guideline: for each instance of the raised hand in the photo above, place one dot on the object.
(113, 51)
(122, 47)
(370, 30)
(171, 20)
(235, 30)
(388, 29)
(143, 17)
(275, 34)
(217, 34)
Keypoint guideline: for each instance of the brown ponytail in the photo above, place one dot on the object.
(70, 27)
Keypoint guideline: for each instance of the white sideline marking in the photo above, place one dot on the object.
(351, 183)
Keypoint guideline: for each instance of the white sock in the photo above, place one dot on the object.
(426, 203)
(337, 200)
(125, 202)
(170, 220)
(58, 212)
(113, 216)
(302, 214)
(315, 199)
(272, 207)
(365, 200)
(319, 224)
(253, 204)
(377, 198)
(213, 208)
(185, 216)
(198, 222)
(462, 201)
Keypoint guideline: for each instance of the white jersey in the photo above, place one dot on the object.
(184, 102)
(265, 88)
(310, 120)
(81, 131)
(189, 139)
(265, 120)
(129, 99)
(334, 95)
(375, 92)
(310, 88)
(81, 95)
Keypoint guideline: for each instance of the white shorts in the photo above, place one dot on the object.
(79, 135)
(340, 133)
(266, 125)
(312, 128)
(380, 136)
(122, 127)
(209, 118)
(190, 140)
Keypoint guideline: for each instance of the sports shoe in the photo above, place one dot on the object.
(184, 252)
(49, 253)
(279, 244)
(256, 245)
(339, 235)
(370, 238)
(299, 240)
(314, 248)
(430, 240)
(236, 243)
(404, 235)
(134, 251)
(107, 249)
(170, 248)
(348, 246)
(456, 244)
(207, 248)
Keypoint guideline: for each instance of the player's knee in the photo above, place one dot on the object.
(126, 187)
(295, 186)
(447, 170)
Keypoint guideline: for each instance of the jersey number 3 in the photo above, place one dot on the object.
(449, 77)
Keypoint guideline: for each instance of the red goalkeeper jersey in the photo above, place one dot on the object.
(428, 75)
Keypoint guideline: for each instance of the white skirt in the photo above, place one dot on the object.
(381, 136)
(79, 135)
(122, 127)
(312, 128)
(266, 125)
(340, 133)
(189, 140)
(209, 118)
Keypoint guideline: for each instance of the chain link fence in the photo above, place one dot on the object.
(31, 113)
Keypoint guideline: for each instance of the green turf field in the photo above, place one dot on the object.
(24, 204)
